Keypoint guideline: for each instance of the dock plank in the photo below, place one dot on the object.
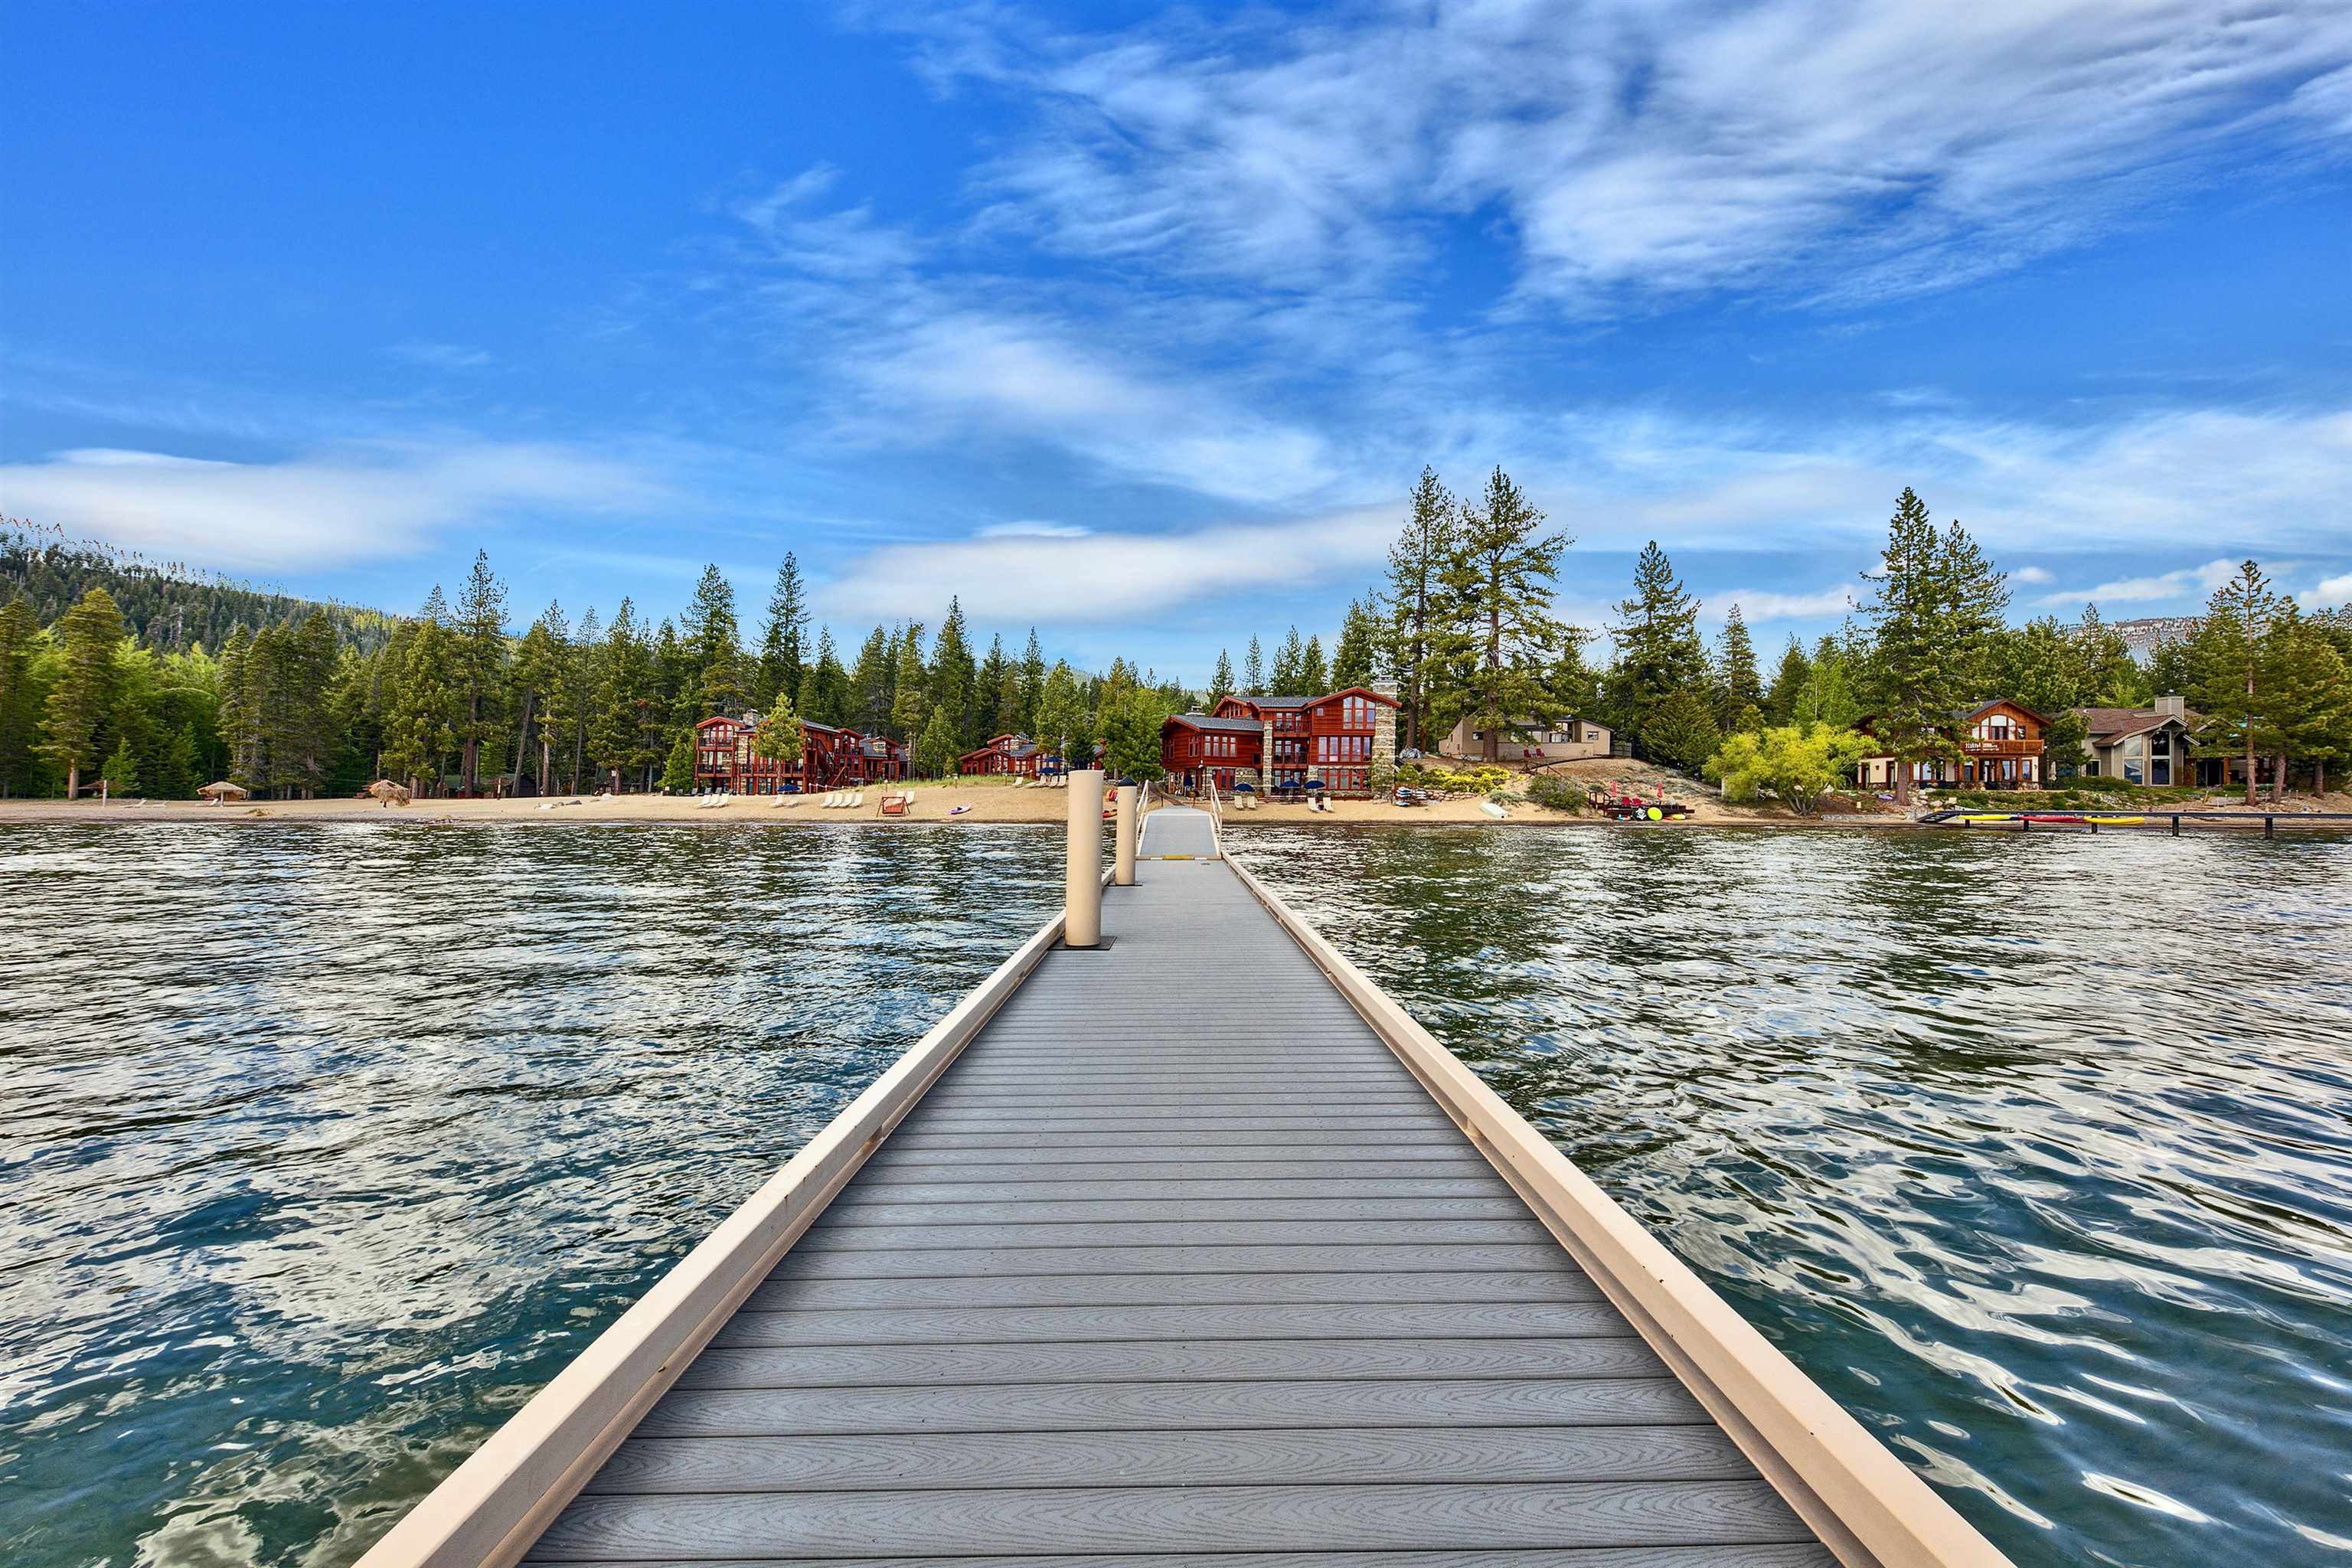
(1145, 1283)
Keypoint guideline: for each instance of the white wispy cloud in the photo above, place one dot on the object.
(442, 356)
(2186, 582)
(2031, 575)
(1652, 151)
(1759, 606)
(2330, 592)
(323, 509)
(1093, 578)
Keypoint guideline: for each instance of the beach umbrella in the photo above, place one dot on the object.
(220, 789)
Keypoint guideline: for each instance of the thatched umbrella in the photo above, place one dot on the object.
(221, 790)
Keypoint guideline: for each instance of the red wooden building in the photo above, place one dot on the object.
(1014, 753)
(1284, 742)
(2001, 745)
(831, 758)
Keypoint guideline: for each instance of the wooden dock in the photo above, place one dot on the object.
(1175, 1254)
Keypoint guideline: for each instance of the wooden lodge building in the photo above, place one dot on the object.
(831, 758)
(1337, 739)
(2000, 744)
(1015, 755)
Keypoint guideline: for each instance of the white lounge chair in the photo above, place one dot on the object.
(857, 800)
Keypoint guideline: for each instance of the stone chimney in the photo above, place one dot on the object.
(1385, 729)
(2173, 708)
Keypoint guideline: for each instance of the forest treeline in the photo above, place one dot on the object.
(101, 676)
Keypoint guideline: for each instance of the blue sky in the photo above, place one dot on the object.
(1137, 325)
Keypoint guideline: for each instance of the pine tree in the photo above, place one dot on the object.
(779, 737)
(19, 631)
(623, 691)
(825, 696)
(2035, 664)
(2104, 673)
(1064, 725)
(988, 716)
(1919, 680)
(1681, 731)
(481, 647)
(1033, 682)
(871, 680)
(1496, 631)
(421, 731)
(1658, 645)
(1012, 693)
(1786, 702)
(909, 704)
(935, 751)
(715, 644)
(2310, 698)
(1738, 690)
(538, 666)
(1221, 686)
(1314, 675)
(1416, 566)
(90, 635)
(2227, 657)
(1354, 656)
(783, 642)
(587, 664)
(121, 770)
(1290, 673)
(1131, 732)
(948, 683)
(183, 766)
(677, 773)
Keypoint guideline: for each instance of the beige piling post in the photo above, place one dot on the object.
(1130, 813)
(1082, 886)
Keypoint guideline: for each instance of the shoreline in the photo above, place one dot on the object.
(995, 805)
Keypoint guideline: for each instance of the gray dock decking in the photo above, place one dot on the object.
(1178, 1261)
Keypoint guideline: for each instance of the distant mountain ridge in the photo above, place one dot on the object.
(168, 605)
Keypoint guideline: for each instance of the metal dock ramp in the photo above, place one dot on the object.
(1177, 1254)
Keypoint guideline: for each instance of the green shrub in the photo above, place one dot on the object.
(1556, 794)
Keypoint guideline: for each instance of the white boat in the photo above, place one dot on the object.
(1492, 809)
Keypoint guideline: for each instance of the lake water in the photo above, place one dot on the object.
(2035, 1153)
(326, 1145)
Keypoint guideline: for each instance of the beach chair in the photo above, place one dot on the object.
(896, 804)
(857, 800)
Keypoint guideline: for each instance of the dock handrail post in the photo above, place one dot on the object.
(1083, 883)
(1130, 808)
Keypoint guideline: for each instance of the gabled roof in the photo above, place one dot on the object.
(2116, 723)
(1992, 702)
(1221, 726)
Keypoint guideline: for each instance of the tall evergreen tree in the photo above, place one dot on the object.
(909, 704)
(948, 682)
(2105, 674)
(481, 654)
(784, 641)
(871, 681)
(20, 631)
(1033, 682)
(1920, 682)
(1254, 672)
(421, 731)
(935, 749)
(988, 694)
(1354, 658)
(538, 666)
(1738, 690)
(2310, 697)
(1289, 677)
(1658, 645)
(89, 634)
(1415, 589)
(1314, 675)
(826, 695)
(1498, 631)
(617, 728)
(1064, 725)
(1221, 685)
(1784, 703)
(1013, 714)
(714, 642)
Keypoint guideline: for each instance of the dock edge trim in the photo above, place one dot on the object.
(1869, 1508)
(487, 1513)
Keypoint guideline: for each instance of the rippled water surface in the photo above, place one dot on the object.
(2036, 1153)
(325, 1146)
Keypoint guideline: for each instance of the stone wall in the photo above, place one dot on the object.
(1384, 732)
